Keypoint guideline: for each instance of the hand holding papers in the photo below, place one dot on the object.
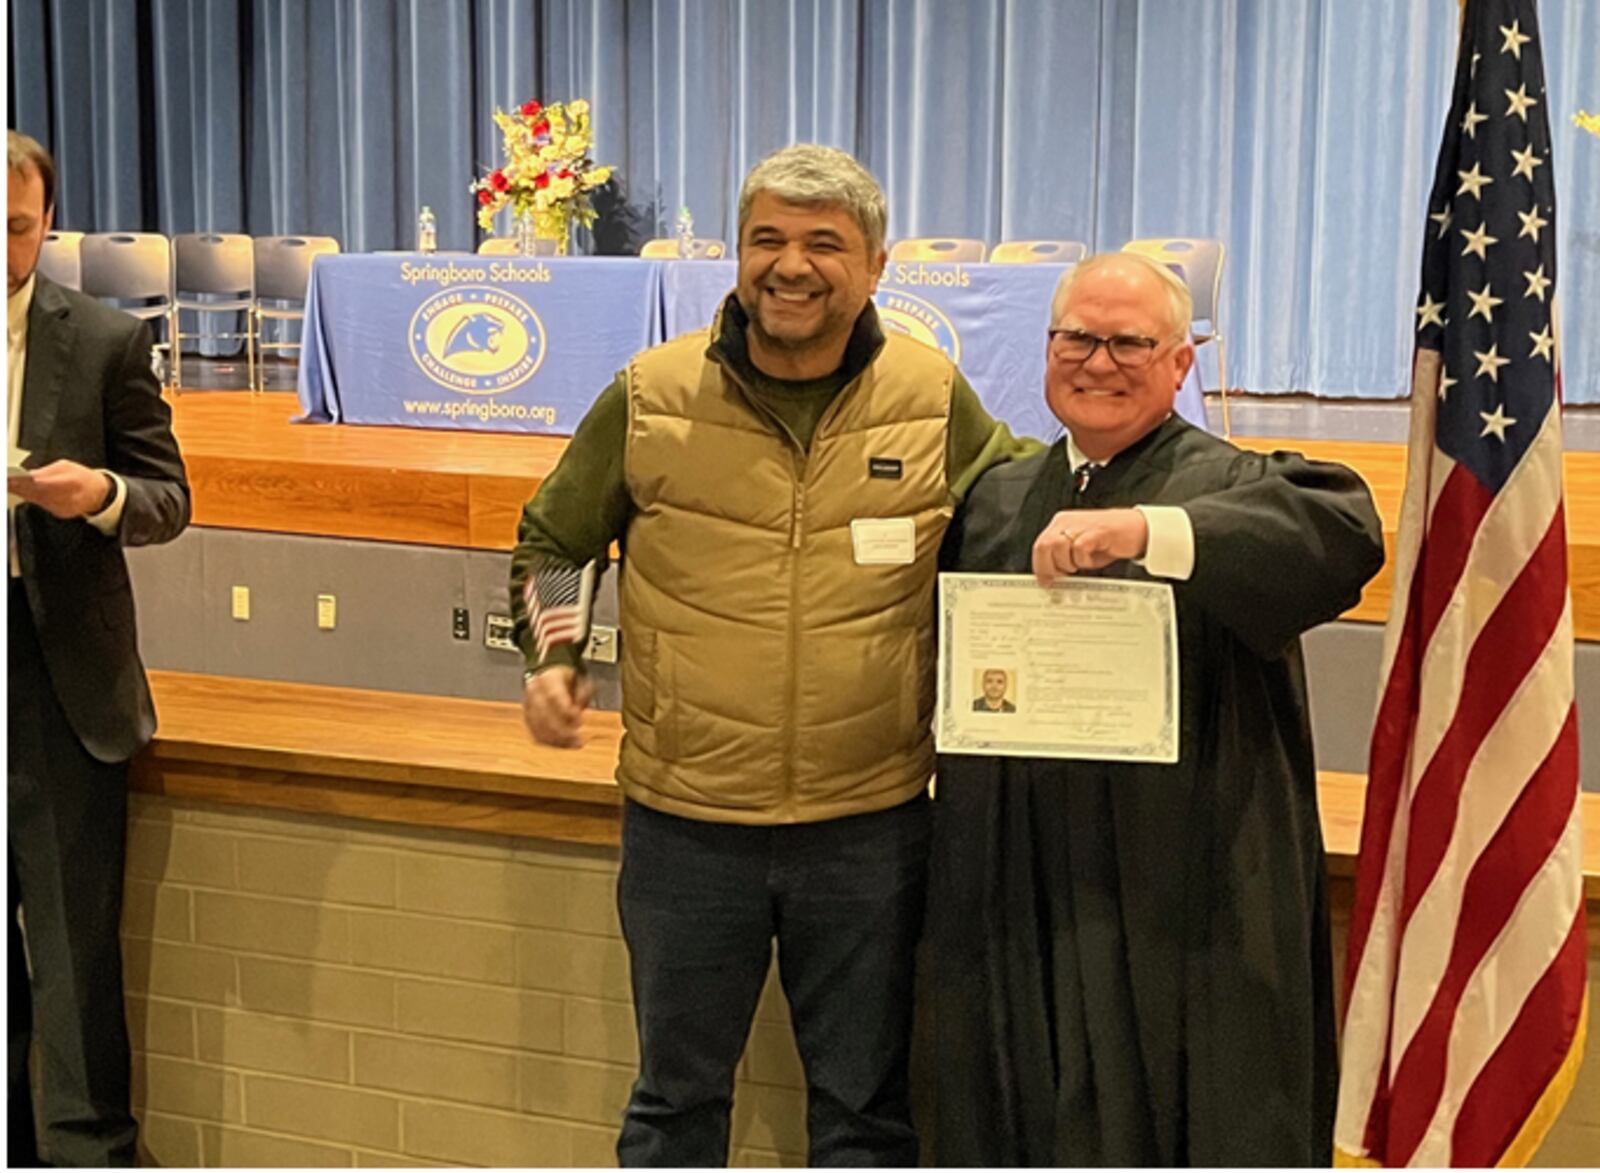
(16, 475)
(1090, 668)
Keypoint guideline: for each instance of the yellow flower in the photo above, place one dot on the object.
(567, 144)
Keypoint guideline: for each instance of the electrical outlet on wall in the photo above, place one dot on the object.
(460, 623)
(497, 633)
(602, 645)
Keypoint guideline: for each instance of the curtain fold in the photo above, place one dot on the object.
(1302, 133)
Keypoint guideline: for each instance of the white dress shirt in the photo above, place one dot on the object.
(17, 306)
(1169, 550)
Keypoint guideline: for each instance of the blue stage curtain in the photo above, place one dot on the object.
(1302, 133)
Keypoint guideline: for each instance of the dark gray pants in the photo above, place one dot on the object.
(66, 842)
(701, 905)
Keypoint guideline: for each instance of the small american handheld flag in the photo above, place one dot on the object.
(1466, 958)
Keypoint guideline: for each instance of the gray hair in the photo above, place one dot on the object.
(1180, 305)
(24, 151)
(808, 173)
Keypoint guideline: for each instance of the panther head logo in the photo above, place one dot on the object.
(475, 333)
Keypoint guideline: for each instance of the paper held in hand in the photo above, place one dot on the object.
(1085, 669)
(15, 470)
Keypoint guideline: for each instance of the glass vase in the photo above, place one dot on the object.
(552, 224)
(528, 233)
(555, 224)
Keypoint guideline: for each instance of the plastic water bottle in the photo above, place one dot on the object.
(685, 233)
(427, 231)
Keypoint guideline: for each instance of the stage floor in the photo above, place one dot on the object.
(252, 468)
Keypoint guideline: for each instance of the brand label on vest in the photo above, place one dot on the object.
(883, 468)
(884, 541)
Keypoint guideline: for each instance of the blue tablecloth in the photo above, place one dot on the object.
(524, 344)
(493, 343)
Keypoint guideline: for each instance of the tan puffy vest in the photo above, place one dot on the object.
(766, 676)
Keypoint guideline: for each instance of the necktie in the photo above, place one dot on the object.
(1080, 478)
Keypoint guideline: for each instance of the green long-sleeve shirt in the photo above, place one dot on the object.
(583, 505)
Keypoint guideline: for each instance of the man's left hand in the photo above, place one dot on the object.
(1087, 539)
(64, 488)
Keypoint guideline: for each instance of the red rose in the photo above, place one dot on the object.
(484, 197)
(531, 109)
(564, 173)
(499, 181)
(542, 179)
(541, 127)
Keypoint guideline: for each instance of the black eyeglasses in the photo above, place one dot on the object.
(1126, 350)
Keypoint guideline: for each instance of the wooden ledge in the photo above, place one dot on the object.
(469, 765)
(1383, 466)
(251, 468)
(397, 757)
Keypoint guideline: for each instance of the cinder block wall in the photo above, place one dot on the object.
(310, 991)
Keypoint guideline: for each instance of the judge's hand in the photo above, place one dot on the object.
(64, 488)
(553, 703)
(1087, 539)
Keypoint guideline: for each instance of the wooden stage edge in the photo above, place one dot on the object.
(469, 765)
(251, 468)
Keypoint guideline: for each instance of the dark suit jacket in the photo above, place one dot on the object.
(89, 395)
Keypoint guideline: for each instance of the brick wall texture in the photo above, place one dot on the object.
(311, 991)
(316, 991)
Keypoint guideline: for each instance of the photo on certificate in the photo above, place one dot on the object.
(1087, 668)
(991, 688)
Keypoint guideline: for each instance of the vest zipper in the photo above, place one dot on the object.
(797, 518)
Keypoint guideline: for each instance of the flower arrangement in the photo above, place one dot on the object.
(547, 174)
(1589, 122)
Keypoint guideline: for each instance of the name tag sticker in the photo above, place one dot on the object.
(884, 541)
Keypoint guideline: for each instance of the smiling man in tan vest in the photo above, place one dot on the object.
(780, 485)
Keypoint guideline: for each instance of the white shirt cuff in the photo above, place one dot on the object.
(109, 518)
(1169, 552)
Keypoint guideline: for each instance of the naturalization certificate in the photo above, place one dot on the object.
(1086, 669)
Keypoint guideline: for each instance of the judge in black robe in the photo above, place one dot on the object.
(1129, 964)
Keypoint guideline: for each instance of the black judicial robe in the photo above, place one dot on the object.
(1130, 964)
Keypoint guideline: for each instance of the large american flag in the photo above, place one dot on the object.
(1465, 965)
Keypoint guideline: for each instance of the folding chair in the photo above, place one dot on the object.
(283, 272)
(133, 270)
(59, 258)
(1199, 263)
(1026, 252)
(665, 248)
(937, 248)
(213, 273)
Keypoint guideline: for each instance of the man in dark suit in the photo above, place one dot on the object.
(993, 699)
(105, 473)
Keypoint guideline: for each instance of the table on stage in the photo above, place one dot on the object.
(525, 344)
(487, 343)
